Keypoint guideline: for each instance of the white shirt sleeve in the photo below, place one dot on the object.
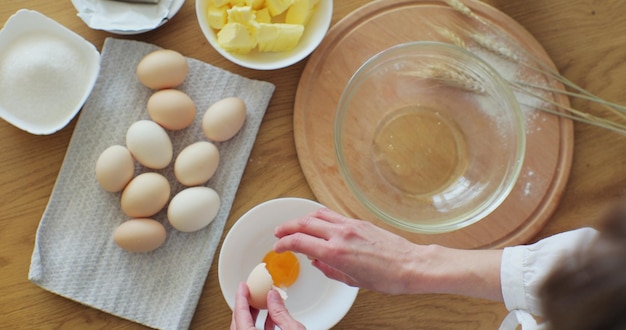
(524, 268)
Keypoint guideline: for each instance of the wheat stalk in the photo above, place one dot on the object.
(571, 113)
(489, 43)
(463, 9)
(520, 55)
(449, 76)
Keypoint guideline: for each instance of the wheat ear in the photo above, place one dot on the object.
(537, 64)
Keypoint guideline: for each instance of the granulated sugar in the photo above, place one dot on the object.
(42, 79)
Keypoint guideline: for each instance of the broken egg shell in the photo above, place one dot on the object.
(259, 284)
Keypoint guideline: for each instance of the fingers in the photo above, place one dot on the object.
(332, 216)
(311, 224)
(243, 315)
(334, 273)
(278, 314)
(308, 234)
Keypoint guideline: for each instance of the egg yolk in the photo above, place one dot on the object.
(284, 268)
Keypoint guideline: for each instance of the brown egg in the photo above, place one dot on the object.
(145, 195)
(224, 119)
(162, 69)
(197, 163)
(171, 109)
(115, 167)
(140, 235)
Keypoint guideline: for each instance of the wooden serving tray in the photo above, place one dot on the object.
(379, 25)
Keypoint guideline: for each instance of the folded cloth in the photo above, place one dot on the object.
(75, 255)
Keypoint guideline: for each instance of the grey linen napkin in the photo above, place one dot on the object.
(75, 255)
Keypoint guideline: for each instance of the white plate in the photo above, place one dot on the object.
(126, 18)
(51, 71)
(315, 300)
(314, 32)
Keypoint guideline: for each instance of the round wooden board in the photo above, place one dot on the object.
(379, 25)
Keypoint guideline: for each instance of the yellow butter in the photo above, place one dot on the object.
(216, 16)
(219, 3)
(240, 14)
(255, 4)
(300, 11)
(277, 7)
(278, 37)
(263, 16)
(236, 38)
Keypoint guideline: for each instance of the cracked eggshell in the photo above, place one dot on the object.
(259, 284)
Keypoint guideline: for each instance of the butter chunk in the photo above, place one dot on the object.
(216, 16)
(255, 4)
(220, 3)
(263, 16)
(236, 38)
(278, 37)
(300, 11)
(240, 14)
(277, 7)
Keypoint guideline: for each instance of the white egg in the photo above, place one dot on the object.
(259, 284)
(193, 208)
(149, 144)
(197, 163)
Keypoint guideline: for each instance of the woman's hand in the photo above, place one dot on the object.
(352, 251)
(244, 316)
(360, 254)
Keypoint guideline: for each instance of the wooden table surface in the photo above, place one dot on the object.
(585, 38)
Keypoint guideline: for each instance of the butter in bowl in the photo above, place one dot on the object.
(264, 34)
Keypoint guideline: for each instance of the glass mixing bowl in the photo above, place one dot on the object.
(429, 137)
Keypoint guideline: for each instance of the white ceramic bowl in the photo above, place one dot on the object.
(314, 32)
(46, 72)
(315, 300)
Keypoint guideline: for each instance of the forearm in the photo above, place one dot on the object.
(437, 269)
